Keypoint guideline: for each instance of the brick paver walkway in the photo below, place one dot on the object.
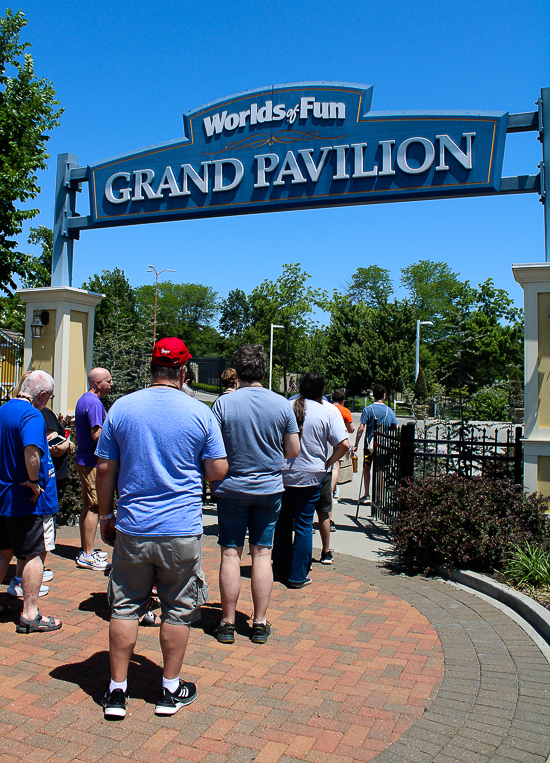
(362, 665)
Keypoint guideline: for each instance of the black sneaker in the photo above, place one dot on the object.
(260, 633)
(224, 632)
(303, 584)
(170, 702)
(327, 557)
(114, 704)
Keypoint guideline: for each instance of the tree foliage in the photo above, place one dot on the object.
(371, 285)
(28, 110)
(183, 309)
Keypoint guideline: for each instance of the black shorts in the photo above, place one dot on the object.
(324, 504)
(24, 535)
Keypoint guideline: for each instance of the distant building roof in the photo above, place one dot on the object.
(13, 336)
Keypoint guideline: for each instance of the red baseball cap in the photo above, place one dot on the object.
(170, 352)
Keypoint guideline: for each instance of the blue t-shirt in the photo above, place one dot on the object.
(159, 436)
(89, 413)
(253, 421)
(22, 425)
(384, 415)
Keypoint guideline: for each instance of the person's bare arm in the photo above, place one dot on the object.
(360, 430)
(291, 445)
(350, 427)
(96, 431)
(105, 485)
(33, 454)
(339, 452)
(214, 468)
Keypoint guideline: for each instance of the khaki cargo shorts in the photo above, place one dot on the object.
(87, 475)
(172, 563)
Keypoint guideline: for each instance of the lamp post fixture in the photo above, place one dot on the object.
(157, 274)
(418, 324)
(273, 326)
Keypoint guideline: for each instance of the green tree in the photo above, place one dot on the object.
(432, 288)
(236, 313)
(183, 309)
(289, 302)
(366, 345)
(37, 274)
(482, 339)
(28, 110)
(371, 285)
(119, 304)
(38, 270)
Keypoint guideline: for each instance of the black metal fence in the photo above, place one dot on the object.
(475, 452)
(208, 372)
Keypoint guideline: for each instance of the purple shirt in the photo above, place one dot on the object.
(89, 413)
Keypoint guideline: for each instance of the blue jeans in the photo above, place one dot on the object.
(292, 560)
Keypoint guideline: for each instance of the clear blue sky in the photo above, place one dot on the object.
(125, 73)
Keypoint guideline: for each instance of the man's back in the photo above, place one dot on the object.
(159, 436)
(89, 412)
(253, 422)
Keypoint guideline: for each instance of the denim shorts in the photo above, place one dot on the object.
(257, 512)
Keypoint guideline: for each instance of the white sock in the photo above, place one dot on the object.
(114, 685)
(172, 684)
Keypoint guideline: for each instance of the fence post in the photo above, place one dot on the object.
(407, 450)
(221, 369)
(518, 460)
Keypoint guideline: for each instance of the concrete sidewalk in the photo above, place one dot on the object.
(362, 665)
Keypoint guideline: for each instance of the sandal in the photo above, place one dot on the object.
(150, 620)
(40, 624)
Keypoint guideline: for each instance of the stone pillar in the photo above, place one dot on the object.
(65, 348)
(535, 280)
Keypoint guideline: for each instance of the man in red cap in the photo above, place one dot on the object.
(156, 445)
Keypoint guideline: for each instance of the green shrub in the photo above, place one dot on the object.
(71, 500)
(528, 566)
(490, 404)
(462, 522)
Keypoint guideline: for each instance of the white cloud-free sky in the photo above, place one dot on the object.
(125, 73)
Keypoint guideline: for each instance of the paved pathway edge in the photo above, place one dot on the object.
(531, 611)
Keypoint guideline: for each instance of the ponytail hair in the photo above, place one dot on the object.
(312, 387)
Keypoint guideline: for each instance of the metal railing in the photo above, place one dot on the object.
(474, 452)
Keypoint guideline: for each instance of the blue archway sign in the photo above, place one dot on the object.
(288, 147)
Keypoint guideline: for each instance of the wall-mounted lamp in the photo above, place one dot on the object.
(40, 318)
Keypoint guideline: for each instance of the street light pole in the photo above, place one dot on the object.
(418, 324)
(157, 273)
(273, 326)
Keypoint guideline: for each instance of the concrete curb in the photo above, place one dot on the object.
(535, 614)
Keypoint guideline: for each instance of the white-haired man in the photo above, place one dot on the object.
(89, 416)
(28, 495)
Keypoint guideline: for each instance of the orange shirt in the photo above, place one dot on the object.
(346, 413)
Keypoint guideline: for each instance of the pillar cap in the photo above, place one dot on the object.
(61, 294)
(532, 272)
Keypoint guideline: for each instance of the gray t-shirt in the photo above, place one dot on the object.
(253, 421)
(322, 426)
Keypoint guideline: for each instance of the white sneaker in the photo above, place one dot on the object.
(47, 576)
(92, 562)
(16, 589)
(336, 494)
(97, 552)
